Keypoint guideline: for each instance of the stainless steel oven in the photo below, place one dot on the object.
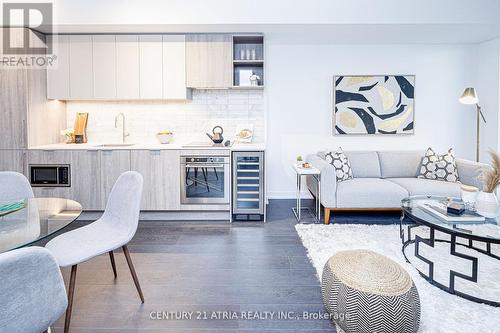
(205, 179)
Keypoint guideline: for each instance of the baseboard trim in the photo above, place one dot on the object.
(167, 216)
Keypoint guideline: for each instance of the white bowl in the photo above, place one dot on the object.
(164, 138)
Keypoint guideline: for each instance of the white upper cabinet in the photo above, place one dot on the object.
(151, 64)
(58, 74)
(174, 67)
(80, 67)
(127, 67)
(104, 66)
(123, 67)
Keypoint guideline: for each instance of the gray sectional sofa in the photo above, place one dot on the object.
(381, 179)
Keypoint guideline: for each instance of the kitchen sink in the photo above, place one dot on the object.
(111, 145)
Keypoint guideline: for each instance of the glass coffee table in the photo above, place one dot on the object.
(466, 243)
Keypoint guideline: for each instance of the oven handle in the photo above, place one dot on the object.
(204, 165)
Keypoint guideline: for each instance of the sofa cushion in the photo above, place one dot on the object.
(341, 164)
(419, 186)
(364, 164)
(369, 193)
(439, 167)
(400, 164)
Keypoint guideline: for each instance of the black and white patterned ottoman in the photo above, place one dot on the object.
(366, 292)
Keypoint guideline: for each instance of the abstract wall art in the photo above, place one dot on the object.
(373, 104)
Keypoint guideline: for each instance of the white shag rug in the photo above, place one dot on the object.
(441, 311)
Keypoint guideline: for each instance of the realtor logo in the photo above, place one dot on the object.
(28, 15)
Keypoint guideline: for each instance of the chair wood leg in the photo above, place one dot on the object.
(113, 265)
(132, 271)
(327, 215)
(71, 292)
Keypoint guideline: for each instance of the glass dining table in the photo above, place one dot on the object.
(24, 222)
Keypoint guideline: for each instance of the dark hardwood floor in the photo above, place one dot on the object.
(203, 269)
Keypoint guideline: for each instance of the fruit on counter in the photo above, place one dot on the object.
(306, 165)
(165, 133)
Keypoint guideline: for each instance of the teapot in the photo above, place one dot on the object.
(217, 135)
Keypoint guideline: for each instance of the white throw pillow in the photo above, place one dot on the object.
(341, 164)
(439, 167)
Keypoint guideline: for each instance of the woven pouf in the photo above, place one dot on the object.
(367, 292)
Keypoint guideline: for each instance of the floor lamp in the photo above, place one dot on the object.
(469, 97)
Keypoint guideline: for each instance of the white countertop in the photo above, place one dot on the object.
(254, 146)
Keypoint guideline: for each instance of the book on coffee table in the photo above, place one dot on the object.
(439, 210)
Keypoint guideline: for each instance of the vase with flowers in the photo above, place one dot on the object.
(487, 202)
(69, 135)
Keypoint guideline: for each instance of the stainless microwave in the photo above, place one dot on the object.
(44, 175)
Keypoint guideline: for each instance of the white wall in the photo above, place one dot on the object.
(488, 91)
(299, 86)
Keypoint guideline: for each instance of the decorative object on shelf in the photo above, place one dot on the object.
(244, 77)
(69, 135)
(254, 80)
(217, 134)
(248, 60)
(244, 133)
(439, 167)
(469, 97)
(373, 292)
(340, 162)
(374, 104)
(81, 127)
(469, 194)
(165, 137)
(487, 202)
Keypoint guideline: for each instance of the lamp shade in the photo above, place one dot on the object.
(469, 96)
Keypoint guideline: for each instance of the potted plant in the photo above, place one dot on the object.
(69, 135)
(487, 203)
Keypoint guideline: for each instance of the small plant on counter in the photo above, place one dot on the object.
(299, 158)
(69, 135)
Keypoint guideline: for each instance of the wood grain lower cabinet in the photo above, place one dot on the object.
(161, 172)
(12, 160)
(112, 164)
(86, 179)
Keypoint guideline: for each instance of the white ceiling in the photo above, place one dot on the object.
(291, 21)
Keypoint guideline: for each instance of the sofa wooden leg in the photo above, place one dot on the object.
(327, 215)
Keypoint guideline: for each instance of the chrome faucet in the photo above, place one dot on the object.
(124, 134)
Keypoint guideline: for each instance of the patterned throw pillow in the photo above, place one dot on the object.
(341, 164)
(439, 167)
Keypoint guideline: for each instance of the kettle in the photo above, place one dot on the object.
(217, 135)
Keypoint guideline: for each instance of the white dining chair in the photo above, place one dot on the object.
(32, 291)
(114, 229)
(14, 186)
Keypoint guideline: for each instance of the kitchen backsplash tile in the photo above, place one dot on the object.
(188, 120)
